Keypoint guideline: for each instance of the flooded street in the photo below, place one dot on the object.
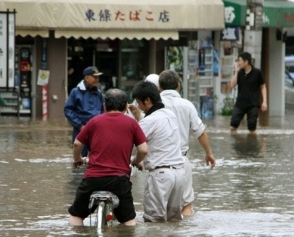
(249, 193)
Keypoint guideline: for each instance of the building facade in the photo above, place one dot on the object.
(126, 41)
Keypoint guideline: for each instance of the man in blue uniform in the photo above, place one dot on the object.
(84, 102)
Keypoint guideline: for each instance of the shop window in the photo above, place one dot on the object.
(134, 64)
(123, 62)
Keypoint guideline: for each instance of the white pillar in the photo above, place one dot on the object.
(276, 75)
(252, 45)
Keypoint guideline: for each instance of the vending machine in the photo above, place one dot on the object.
(194, 64)
(25, 77)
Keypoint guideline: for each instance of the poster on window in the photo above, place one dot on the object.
(43, 77)
(174, 59)
(3, 49)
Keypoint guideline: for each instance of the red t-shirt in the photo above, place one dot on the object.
(110, 137)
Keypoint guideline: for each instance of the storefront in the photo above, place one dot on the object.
(277, 19)
(125, 41)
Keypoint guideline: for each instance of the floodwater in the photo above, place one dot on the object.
(249, 193)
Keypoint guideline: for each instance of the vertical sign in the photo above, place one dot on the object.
(43, 80)
(44, 102)
(11, 47)
(44, 54)
(7, 45)
(3, 49)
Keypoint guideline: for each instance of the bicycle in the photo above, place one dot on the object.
(106, 201)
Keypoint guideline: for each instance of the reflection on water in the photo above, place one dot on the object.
(248, 145)
(249, 193)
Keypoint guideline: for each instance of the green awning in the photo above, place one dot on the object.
(278, 14)
(275, 13)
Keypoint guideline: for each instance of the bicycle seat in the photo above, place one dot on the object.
(105, 195)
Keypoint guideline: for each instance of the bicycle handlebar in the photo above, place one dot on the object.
(79, 163)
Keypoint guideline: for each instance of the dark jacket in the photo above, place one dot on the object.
(83, 104)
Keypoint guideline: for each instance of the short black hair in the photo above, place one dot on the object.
(115, 100)
(169, 80)
(246, 57)
(146, 89)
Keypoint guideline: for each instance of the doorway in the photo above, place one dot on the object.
(123, 62)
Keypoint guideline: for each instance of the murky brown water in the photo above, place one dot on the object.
(249, 193)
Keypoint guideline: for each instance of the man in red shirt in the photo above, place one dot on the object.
(110, 137)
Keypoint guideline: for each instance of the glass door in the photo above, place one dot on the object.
(134, 61)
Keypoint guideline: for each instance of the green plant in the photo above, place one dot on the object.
(228, 106)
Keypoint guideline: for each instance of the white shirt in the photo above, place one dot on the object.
(187, 116)
(163, 139)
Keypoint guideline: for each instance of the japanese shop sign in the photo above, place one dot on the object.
(118, 15)
(234, 14)
(136, 17)
(107, 15)
(230, 33)
(275, 13)
(44, 102)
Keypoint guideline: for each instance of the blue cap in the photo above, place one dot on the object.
(93, 71)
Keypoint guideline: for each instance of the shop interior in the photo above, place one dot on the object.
(123, 62)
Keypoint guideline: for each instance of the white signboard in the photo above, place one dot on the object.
(3, 49)
(43, 77)
(11, 53)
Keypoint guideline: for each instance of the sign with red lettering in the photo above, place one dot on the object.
(44, 102)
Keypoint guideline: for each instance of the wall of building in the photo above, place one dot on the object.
(37, 100)
(57, 65)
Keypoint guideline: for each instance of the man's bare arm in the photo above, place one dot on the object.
(77, 149)
(233, 82)
(142, 152)
(264, 98)
(204, 142)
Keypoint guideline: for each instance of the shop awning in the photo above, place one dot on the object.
(276, 14)
(118, 34)
(114, 16)
(33, 33)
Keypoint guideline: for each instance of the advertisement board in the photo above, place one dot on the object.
(7, 43)
(3, 49)
(11, 52)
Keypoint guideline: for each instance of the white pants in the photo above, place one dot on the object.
(188, 190)
(163, 194)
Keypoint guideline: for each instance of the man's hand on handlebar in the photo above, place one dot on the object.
(78, 163)
(140, 165)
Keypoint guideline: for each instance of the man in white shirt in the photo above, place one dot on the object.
(164, 185)
(169, 85)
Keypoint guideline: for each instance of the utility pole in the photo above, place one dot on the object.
(253, 31)
(253, 41)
